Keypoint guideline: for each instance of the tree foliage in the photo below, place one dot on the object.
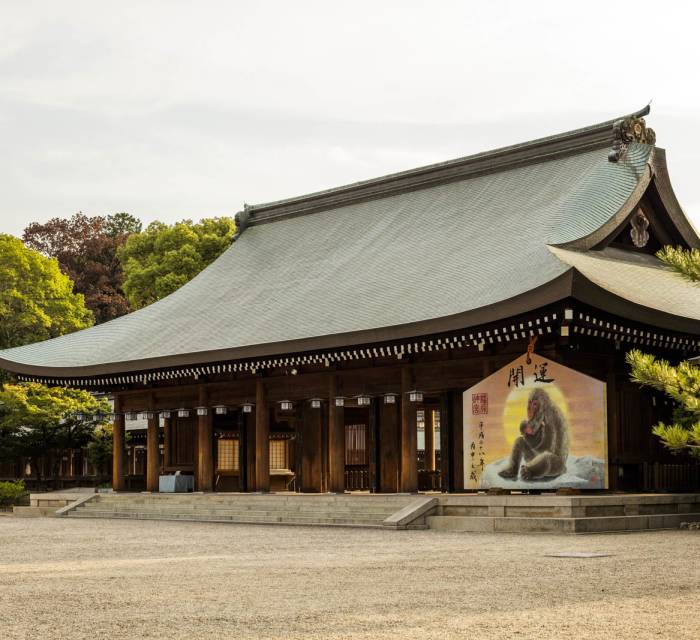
(682, 385)
(36, 300)
(162, 258)
(86, 250)
(684, 261)
(35, 419)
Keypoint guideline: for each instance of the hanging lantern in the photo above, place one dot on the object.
(112, 416)
(389, 398)
(148, 415)
(363, 401)
(100, 417)
(340, 401)
(247, 407)
(201, 411)
(183, 413)
(131, 416)
(165, 413)
(220, 410)
(80, 416)
(415, 396)
(286, 405)
(315, 403)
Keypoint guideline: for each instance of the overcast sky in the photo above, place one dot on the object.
(172, 110)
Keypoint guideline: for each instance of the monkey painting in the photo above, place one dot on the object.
(543, 446)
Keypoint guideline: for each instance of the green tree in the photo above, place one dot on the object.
(36, 419)
(36, 300)
(680, 383)
(99, 449)
(162, 258)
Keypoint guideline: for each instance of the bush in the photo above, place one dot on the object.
(12, 492)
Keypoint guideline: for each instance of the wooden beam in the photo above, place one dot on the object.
(336, 439)
(262, 439)
(152, 454)
(205, 446)
(409, 435)
(118, 448)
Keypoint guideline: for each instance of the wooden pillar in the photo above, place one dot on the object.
(262, 439)
(457, 438)
(311, 458)
(389, 447)
(409, 436)
(373, 442)
(250, 452)
(336, 439)
(446, 443)
(242, 452)
(152, 454)
(429, 426)
(167, 441)
(118, 448)
(205, 445)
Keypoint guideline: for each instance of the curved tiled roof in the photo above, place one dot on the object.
(355, 268)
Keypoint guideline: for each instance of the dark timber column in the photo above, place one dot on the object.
(262, 439)
(167, 442)
(389, 452)
(429, 422)
(205, 444)
(446, 445)
(242, 452)
(409, 436)
(311, 459)
(118, 448)
(336, 439)
(152, 453)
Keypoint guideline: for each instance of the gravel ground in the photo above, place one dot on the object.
(137, 579)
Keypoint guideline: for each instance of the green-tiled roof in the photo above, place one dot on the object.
(408, 257)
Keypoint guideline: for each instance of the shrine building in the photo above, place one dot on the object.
(391, 335)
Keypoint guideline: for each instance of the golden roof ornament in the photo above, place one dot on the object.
(630, 129)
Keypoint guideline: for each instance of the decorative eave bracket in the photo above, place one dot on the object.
(241, 219)
(633, 128)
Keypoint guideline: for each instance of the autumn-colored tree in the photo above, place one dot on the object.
(162, 258)
(86, 250)
(37, 301)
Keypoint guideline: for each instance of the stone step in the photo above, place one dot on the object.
(34, 512)
(558, 525)
(242, 512)
(280, 519)
(208, 499)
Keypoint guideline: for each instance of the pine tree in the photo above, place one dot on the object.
(682, 382)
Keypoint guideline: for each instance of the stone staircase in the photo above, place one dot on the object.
(288, 509)
(563, 514)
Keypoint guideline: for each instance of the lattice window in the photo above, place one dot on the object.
(356, 444)
(279, 454)
(228, 458)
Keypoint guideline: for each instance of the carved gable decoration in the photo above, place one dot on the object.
(638, 232)
(628, 130)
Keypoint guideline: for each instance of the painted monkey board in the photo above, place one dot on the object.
(536, 425)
